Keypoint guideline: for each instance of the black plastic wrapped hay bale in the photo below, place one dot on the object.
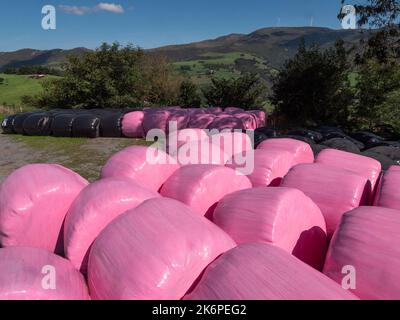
(19, 120)
(62, 124)
(38, 124)
(111, 125)
(309, 134)
(86, 126)
(342, 144)
(8, 125)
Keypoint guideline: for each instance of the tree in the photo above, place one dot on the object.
(2, 80)
(112, 76)
(188, 95)
(384, 17)
(245, 92)
(378, 95)
(314, 86)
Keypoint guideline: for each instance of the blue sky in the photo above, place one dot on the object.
(152, 23)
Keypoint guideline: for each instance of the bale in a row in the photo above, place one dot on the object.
(335, 190)
(201, 187)
(95, 207)
(154, 252)
(388, 193)
(36, 274)
(148, 167)
(283, 217)
(365, 253)
(34, 201)
(264, 272)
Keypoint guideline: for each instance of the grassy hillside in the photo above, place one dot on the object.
(16, 86)
(225, 65)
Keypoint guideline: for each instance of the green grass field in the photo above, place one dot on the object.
(219, 65)
(16, 86)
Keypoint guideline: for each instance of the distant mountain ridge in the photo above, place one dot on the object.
(273, 45)
(30, 57)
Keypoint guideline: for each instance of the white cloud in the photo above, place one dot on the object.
(102, 6)
(111, 7)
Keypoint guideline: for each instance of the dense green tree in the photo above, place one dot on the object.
(247, 92)
(112, 76)
(314, 87)
(189, 96)
(378, 94)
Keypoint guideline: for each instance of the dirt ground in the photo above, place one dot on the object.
(84, 156)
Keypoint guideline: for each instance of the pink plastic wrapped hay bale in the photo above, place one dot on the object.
(270, 166)
(184, 136)
(154, 252)
(155, 119)
(201, 121)
(264, 272)
(364, 166)
(181, 118)
(248, 120)
(232, 143)
(388, 195)
(301, 151)
(366, 250)
(215, 110)
(33, 203)
(201, 187)
(335, 190)
(226, 123)
(394, 168)
(283, 217)
(132, 124)
(95, 207)
(260, 116)
(149, 167)
(233, 110)
(199, 152)
(36, 274)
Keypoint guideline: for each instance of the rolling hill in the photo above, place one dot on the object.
(262, 51)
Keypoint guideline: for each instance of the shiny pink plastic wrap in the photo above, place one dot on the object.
(95, 207)
(249, 121)
(155, 119)
(181, 117)
(226, 123)
(366, 246)
(301, 151)
(154, 252)
(388, 194)
(283, 217)
(394, 168)
(232, 142)
(200, 152)
(270, 166)
(201, 187)
(185, 136)
(201, 121)
(260, 116)
(133, 163)
(335, 190)
(36, 274)
(364, 166)
(215, 110)
(132, 124)
(264, 272)
(33, 203)
(233, 110)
